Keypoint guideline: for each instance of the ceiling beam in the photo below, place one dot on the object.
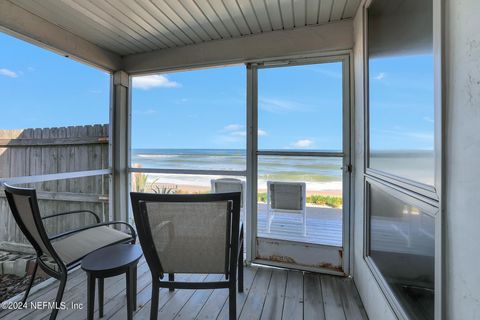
(23, 24)
(276, 44)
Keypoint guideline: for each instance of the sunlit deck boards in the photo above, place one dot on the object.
(269, 294)
(324, 226)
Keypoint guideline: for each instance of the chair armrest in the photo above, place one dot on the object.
(64, 234)
(97, 218)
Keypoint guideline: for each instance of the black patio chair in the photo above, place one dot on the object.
(60, 253)
(198, 233)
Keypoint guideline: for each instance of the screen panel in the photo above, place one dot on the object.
(279, 215)
(300, 107)
(193, 119)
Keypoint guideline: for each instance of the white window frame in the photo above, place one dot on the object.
(412, 190)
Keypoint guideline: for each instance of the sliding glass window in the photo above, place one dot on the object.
(401, 106)
(401, 199)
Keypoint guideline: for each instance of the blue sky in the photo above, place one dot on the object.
(299, 107)
(401, 103)
(39, 88)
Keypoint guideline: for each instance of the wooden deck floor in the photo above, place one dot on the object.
(324, 226)
(269, 294)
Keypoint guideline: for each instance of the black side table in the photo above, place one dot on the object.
(109, 262)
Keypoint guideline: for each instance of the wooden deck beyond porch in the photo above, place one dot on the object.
(324, 226)
(269, 294)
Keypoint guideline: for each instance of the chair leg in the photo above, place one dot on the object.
(240, 269)
(58, 300)
(232, 301)
(30, 283)
(154, 301)
(171, 277)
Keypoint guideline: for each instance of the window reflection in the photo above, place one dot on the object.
(401, 83)
(402, 245)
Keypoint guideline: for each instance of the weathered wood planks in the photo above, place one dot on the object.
(269, 294)
(43, 151)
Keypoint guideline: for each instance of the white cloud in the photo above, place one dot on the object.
(262, 132)
(243, 133)
(235, 133)
(278, 105)
(233, 127)
(380, 76)
(303, 143)
(403, 134)
(8, 73)
(154, 81)
(428, 119)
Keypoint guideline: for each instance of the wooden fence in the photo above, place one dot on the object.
(43, 151)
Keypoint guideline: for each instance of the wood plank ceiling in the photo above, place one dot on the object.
(127, 27)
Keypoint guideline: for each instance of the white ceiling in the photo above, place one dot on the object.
(127, 27)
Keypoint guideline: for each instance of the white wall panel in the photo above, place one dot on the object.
(462, 176)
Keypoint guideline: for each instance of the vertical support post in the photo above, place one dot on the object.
(252, 127)
(439, 42)
(120, 145)
(347, 227)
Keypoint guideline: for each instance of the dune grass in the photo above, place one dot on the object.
(318, 199)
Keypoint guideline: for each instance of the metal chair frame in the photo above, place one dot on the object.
(63, 268)
(234, 246)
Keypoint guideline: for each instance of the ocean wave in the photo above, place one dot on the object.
(155, 156)
(293, 176)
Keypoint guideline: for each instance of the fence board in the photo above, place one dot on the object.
(42, 151)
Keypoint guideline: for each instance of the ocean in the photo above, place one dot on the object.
(318, 173)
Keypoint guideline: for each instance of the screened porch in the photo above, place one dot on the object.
(342, 126)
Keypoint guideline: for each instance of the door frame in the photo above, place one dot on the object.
(252, 244)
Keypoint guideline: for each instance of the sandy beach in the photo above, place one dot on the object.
(202, 185)
(204, 189)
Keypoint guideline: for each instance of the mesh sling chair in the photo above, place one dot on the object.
(67, 249)
(197, 233)
(224, 185)
(286, 197)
